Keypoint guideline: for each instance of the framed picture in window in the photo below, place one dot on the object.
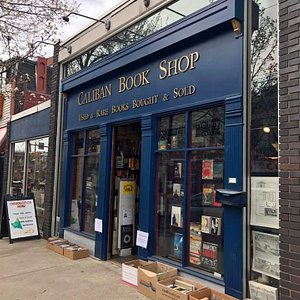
(265, 202)
(266, 254)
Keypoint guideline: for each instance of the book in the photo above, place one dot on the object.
(177, 192)
(216, 225)
(183, 284)
(218, 170)
(209, 255)
(176, 218)
(195, 243)
(178, 170)
(177, 246)
(208, 194)
(207, 169)
(206, 224)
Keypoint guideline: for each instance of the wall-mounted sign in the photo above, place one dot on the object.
(21, 218)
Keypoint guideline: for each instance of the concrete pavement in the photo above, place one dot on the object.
(28, 270)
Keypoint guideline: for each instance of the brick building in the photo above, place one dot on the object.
(289, 154)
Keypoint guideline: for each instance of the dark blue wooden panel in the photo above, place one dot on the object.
(233, 216)
(147, 178)
(102, 211)
(31, 126)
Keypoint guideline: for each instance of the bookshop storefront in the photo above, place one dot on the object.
(153, 143)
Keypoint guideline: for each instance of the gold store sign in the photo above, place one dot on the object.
(168, 68)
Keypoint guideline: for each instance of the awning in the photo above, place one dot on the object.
(2, 137)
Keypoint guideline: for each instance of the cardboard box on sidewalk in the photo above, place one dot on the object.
(53, 238)
(130, 271)
(52, 243)
(210, 294)
(76, 252)
(150, 274)
(177, 288)
(59, 247)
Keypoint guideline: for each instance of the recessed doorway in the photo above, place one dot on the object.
(125, 190)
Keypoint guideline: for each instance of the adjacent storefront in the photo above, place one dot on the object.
(29, 157)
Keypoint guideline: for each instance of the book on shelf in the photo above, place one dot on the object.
(206, 224)
(178, 170)
(209, 255)
(176, 218)
(216, 225)
(177, 190)
(195, 243)
(208, 194)
(207, 169)
(177, 246)
(218, 170)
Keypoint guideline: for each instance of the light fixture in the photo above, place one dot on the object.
(68, 48)
(266, 129)
(107, 23)
(236, 25)
(146, 3)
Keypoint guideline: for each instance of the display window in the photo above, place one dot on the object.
(85, 160)
(17, 169)
(37, 174)
(190, 164)
(28, 172)
(264, 181)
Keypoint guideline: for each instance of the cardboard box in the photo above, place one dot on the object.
(53, 238)
(76, 252)
(51, 244)
(210, 294)
(130, 271)
(59, 247)
(150, 274)
(177, 288)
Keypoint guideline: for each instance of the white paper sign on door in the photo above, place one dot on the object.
(142, 239)
(98, 225)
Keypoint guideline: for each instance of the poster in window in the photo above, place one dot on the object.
(259, 291)
(207, 169)
(266, 254)
(265, 201)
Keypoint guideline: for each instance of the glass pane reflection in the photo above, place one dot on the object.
(135, 33)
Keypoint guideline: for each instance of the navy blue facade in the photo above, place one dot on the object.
(214, 76)
(31, 126)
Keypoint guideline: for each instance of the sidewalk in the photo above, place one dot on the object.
(28, 270)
